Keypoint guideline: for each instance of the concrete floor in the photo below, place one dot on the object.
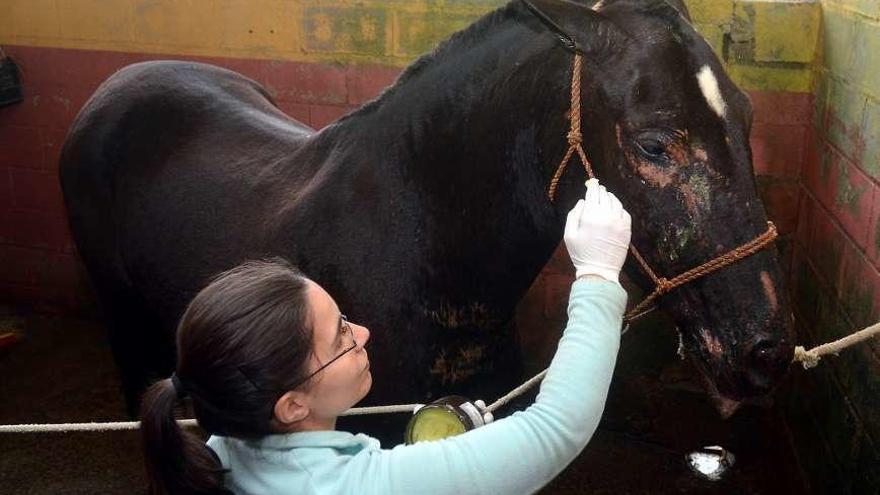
(62, 371)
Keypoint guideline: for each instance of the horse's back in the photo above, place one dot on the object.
(145, 105)
(169, 173)
(170, 154)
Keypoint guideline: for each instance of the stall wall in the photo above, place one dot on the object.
(815, 158)
(834, 410)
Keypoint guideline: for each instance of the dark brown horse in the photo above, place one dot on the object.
(425, 212)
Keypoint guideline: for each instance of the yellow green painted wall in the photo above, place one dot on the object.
(769, 44)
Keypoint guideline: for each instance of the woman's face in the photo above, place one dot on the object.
(346, 380)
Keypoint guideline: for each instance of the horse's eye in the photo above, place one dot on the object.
(652, 149)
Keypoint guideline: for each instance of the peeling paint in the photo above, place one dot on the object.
(877, 235)
(825, 164)
(847, 195)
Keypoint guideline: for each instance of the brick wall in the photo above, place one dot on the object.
(834, 410)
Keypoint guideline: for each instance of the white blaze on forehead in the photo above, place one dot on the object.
(709, 87)
(598, 5)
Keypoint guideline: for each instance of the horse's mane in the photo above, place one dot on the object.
(474, 33)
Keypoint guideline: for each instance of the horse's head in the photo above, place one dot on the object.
(668, 132)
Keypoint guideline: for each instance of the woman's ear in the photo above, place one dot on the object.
(291, 408)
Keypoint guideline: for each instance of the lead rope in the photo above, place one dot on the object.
(809, 358)
(191, 423)
(185, 423)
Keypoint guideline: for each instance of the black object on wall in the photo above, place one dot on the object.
(10, 83)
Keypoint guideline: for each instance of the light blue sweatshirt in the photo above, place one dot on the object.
(517, 454)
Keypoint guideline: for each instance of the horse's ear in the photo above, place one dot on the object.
(593, 33)
(593, 4)
(598, 5)
(681, 8)
(589, 3)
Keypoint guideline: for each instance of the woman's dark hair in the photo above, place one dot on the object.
(242, 339)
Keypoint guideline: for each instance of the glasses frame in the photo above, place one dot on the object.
(346, 327)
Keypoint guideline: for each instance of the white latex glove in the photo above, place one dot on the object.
(597, 233)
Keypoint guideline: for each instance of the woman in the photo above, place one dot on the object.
(270, 362)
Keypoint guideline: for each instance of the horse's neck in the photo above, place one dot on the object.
(471, 133)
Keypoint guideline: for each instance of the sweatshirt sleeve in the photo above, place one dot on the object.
(523, 452)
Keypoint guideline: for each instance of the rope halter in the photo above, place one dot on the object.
(662, 285)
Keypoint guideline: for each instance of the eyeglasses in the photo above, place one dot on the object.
(348, 341)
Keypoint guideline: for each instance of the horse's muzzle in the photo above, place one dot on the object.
(748, 369)
(763, 364)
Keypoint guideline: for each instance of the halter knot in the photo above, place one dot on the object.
(664, 285)
(574, 138)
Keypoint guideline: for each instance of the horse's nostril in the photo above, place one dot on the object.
(765, 351)
(765, 363)
(759, 367)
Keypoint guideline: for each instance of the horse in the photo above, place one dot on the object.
(425, 212)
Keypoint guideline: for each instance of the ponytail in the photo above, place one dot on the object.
(242, 339)
(177, 462)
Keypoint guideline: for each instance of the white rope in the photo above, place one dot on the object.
(70, 427)
(808, 358)
(184, 423)
(531, 382)
(401, 408)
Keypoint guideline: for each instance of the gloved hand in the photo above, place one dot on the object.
(597, 233)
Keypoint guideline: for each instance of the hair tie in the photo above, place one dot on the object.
(179, 387)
